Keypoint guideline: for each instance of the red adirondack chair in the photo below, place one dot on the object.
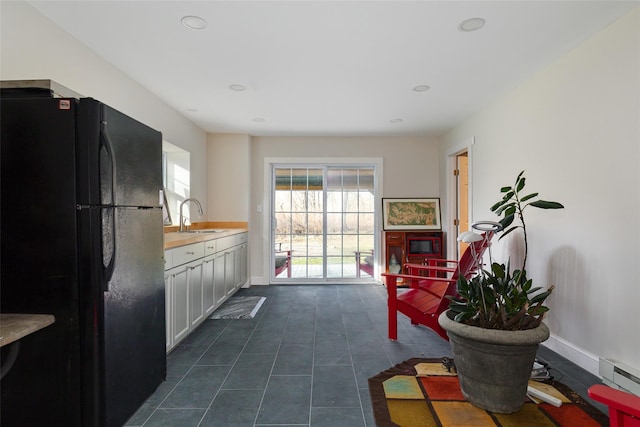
(364, 262)
(429, 284)
(624, 408)
(282, 261)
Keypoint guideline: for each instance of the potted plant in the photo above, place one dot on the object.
(495, 323)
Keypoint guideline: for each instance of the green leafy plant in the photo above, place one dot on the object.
(498, 298)
(512, 206)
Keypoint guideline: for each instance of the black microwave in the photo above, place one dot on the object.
(424, 246)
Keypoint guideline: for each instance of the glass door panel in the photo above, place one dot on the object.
(326, 217)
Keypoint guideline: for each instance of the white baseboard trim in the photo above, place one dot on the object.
(580, 357)
(258, 280)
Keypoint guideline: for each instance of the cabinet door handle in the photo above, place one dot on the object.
(190, 253)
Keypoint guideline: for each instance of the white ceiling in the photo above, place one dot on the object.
(330, 67)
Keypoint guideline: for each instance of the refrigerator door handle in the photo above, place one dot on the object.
(109, 224)
(105, 142)
(109, 234)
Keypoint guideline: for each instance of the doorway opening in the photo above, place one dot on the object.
(462, 198)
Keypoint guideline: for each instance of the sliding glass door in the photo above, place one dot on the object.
(323, 222)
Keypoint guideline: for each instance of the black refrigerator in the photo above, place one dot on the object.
(82, 239)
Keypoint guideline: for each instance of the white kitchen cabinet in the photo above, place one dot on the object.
(240, 258)
(229, 271)
(226, 247)
(183, 275)
(208, 285)
(168, 299)
(218, 278)
(199, 277)
(180, 319)
(194, 274)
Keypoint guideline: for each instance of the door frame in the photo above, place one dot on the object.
(267, 241)
(452, 192)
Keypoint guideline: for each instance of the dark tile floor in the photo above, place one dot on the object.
(303, 361)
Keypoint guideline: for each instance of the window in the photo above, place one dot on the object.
(176, 178)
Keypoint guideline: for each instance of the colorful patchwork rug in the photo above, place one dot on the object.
(422, 393)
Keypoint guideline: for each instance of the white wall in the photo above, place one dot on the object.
(32, 47)
(229, 177)
(575, 128)
(410, 170)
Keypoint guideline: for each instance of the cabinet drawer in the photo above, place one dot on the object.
(241, 238)
(168, 259)
(187, 253)
(210, 247)
(225, 243)
(394, 237)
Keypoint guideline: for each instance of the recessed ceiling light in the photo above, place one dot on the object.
(471, 24)
(194, 22)
(421, 88)
(395, 121)
(237, 88)
(259, 119)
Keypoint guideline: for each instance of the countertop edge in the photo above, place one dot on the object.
(14, 326)
(177, 239)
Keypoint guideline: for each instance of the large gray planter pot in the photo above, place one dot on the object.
(493, 366)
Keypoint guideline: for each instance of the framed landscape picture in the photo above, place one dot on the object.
(411, 214)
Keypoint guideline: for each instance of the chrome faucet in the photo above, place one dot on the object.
(191, 199)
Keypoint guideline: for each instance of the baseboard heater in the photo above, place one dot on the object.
(619, 375)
